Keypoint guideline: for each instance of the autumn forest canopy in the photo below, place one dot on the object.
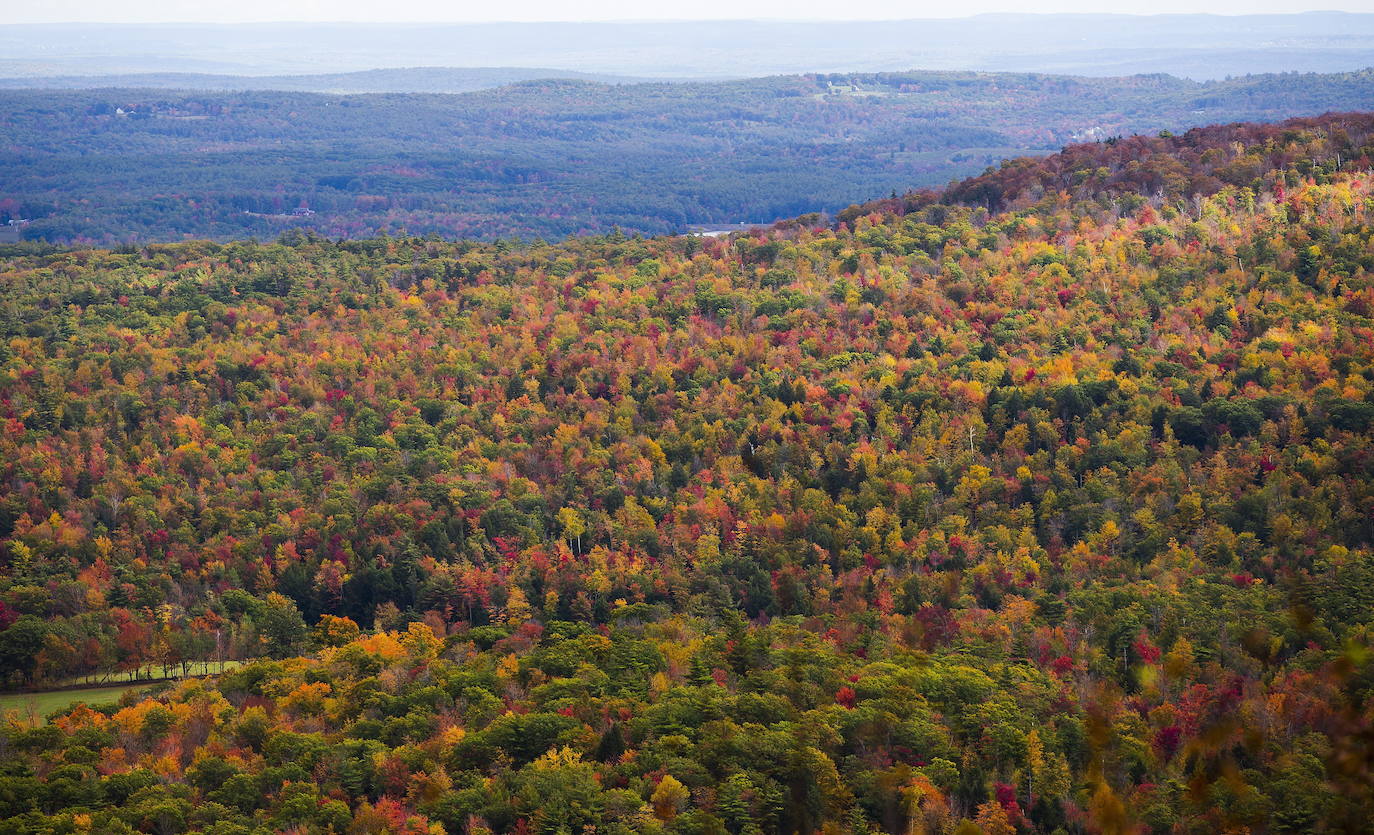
(1040, 503)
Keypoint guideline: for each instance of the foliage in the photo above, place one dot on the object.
(1044, 512)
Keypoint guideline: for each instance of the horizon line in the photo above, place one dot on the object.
(674, 20)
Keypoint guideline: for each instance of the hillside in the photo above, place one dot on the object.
(553, 158)
(1042, 504)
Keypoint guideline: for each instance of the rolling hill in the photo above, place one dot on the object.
(556, 157)
(399, 80)
(1039, 503)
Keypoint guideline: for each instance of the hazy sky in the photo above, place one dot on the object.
(235, 11)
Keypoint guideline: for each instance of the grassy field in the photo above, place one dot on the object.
(34, 706)
(155, 672)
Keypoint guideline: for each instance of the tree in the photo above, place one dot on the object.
(518, 609)
(421, 643)
(669, 798)
(20, 645)
(993, 820)
(573, 527)
(281, 626)
(559, 792)
(335, 631)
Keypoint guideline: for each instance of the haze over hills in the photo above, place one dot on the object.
(1195, 46)
(552, 158)
(399, 80)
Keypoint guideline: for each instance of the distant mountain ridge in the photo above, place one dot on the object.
(397, 80)
(1196, 46)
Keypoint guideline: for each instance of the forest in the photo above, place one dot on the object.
(547, 159)
(1043, 503)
